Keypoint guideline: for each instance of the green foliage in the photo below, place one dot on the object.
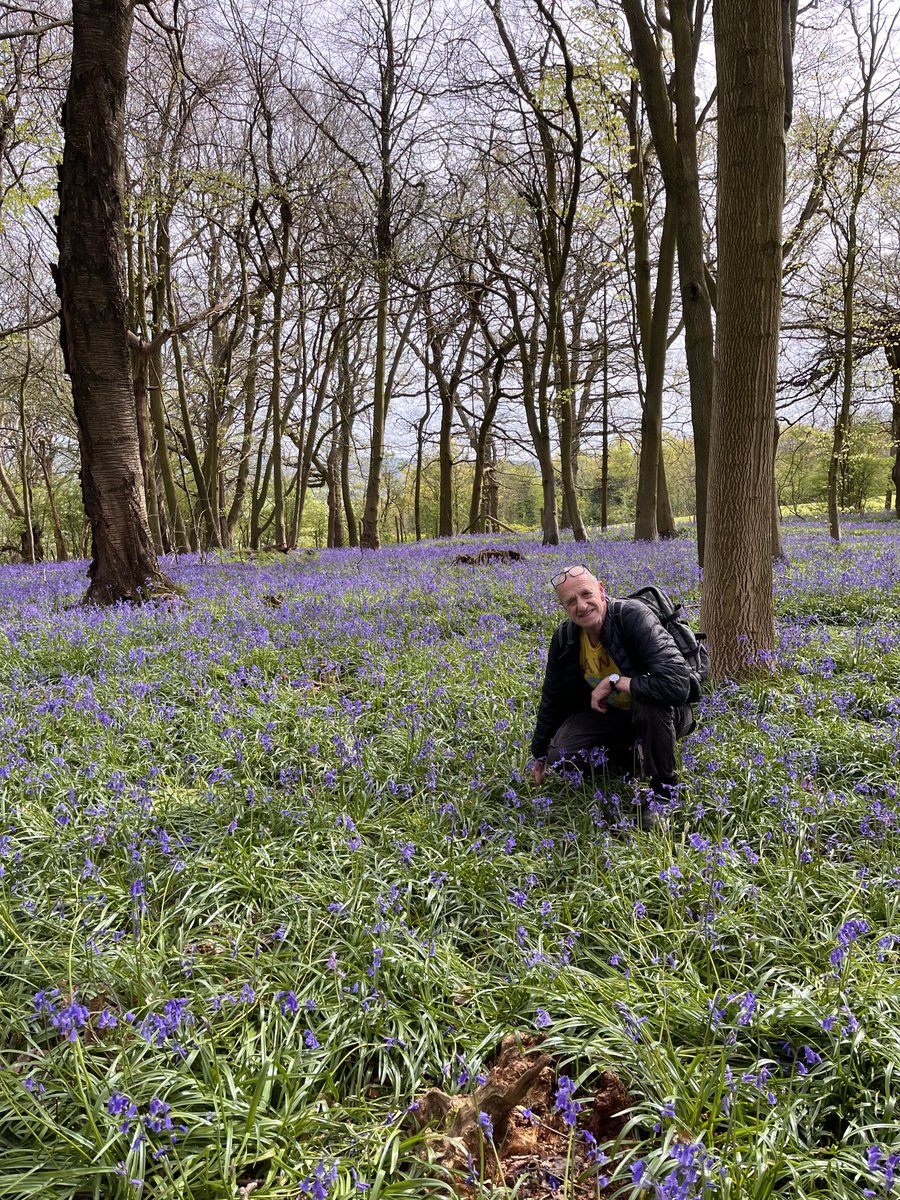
(801, 468)
(283, 836)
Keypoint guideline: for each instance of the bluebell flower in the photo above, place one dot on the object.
(158, 1119)
(120, 1105)
(318, 1185)
(487, 1125)
(287, 1002)
(69, 1019)
(564, 1103)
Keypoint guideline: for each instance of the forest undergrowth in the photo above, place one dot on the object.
(272, 867)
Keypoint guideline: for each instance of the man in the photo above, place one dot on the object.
(613, 675)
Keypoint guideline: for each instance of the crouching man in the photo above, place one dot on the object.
(614, 675)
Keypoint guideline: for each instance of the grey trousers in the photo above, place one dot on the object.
(611, 737)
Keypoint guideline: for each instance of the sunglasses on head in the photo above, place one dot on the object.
(569, 573)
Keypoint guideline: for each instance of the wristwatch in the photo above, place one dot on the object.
(613, 680)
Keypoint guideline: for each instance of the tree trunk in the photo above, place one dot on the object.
(371, 538)
(483, 503)
(139, 368)
(778, 553)
(346, 493)
(332, 479)
(492, 488)
(91, 286)
(842, 420)
(893, 357)
(249, 393)
(445, 448)
(537, 414)
(205, 499)
(261, 476)
(568, 442)
(15, 506)
(62, 553)
(277, 423)
(604, 427)
(163, 461)
(665, 518)
(157, 407)
(28, 538)
(676, 150)
(421, 425)
(476, 523)
(737, 590)
(645, 524)
(345, 403)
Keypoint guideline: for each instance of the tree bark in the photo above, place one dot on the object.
(445, 445)
(15, 505)
(676, 148)
(842, 419)
(448, 393)
(654, 354)
(157, 406)
(665, 518)
(28, 532)
(332, 482)
(421, 425)
(370, 538)
(345, 404)
(737, 592)
(91, 287)
(483, 502)
(204, 498)
(45, 459)
(140, 371)
(778, 552)
(604, 421)
(893, 356)
(276, 335)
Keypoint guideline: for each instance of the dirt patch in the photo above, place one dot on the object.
(512, 1131)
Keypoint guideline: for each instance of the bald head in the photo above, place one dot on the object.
(583, 597)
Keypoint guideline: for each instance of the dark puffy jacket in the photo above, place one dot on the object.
(637, 644)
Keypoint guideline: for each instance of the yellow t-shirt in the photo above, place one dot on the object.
(597, 663)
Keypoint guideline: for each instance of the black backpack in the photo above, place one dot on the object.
(692, 645)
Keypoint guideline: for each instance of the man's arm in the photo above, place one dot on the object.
(663, 676)
(545, 721)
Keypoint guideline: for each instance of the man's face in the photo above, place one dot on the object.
(583, 598)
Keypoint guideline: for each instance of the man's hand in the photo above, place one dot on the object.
(604, 690)
(538, 771)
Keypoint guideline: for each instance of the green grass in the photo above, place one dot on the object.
(352, 890)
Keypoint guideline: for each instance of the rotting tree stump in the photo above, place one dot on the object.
(490, 554)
